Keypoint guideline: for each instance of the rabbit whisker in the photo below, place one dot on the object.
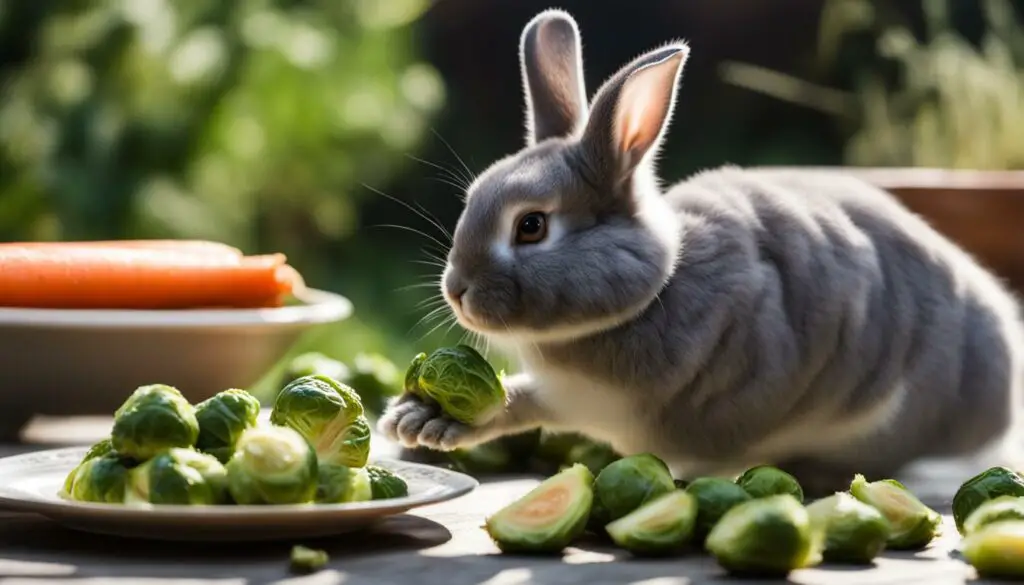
(423, 213)
(451, 177)
(411, 229)
(469, 173)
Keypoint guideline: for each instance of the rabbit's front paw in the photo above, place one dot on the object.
(414, 422)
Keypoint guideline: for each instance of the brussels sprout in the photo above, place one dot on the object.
(548, 518)
(461, 381)
(222, 418)
(375, 378)
(596, 456)
(99, 449)
(486, 458)
(987, 485)
(627, 484)
(912, 525)
(313, 363)
(329, 415)
(715, 496)
(765, 480)
(997, 510)
(153, 419)
(308, 560)
(996, 550)
(337, 484)
(101, 479)
(851, 531)
(412, 374)
(272, 465)
(661, 526)
(179, 477)
(764, 536)
(386, 484)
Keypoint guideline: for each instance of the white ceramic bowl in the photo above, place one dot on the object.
(82, 362)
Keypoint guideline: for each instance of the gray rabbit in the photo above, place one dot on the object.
(739, 317)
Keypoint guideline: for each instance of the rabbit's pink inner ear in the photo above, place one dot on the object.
(644, 106)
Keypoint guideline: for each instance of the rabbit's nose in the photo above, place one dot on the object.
(456, 287)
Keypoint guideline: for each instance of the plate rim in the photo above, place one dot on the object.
(319, 306)
(59, 507)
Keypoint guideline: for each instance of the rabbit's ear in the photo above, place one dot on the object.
(632, 110)
(552, 68)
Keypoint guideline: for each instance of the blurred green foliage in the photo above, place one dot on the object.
(251, 122)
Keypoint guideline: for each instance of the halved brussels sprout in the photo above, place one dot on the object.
(912, 525)
(329, 415)
(768, 536)
(851, 531)
(222, 419)
(313, 363)
(308, 560)
(627, 484)
(102, 479)
(765, 480)
(548, 518)
(153, 419)
(996, 550)
(997, 510)
(337, 484)
(272, 465)
(386, 484)
(987, 485)
(179, 477)
(715, 496)
(661, 526)
(461, 381)
(596, 456)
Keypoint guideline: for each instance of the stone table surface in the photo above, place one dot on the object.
(437, 545)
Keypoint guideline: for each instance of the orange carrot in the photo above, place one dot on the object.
(113, 277)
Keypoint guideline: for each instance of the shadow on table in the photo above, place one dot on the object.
(35, 546)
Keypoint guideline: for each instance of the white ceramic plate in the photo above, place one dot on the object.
(29, 483)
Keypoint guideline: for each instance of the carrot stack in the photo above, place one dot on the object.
(141, 274)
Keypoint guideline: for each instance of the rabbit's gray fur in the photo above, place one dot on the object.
(742, 317)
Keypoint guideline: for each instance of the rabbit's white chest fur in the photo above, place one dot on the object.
(591, 407)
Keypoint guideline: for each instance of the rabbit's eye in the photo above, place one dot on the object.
(532, 228)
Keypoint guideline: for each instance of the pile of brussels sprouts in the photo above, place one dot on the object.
(163, 450)
(756, 524)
